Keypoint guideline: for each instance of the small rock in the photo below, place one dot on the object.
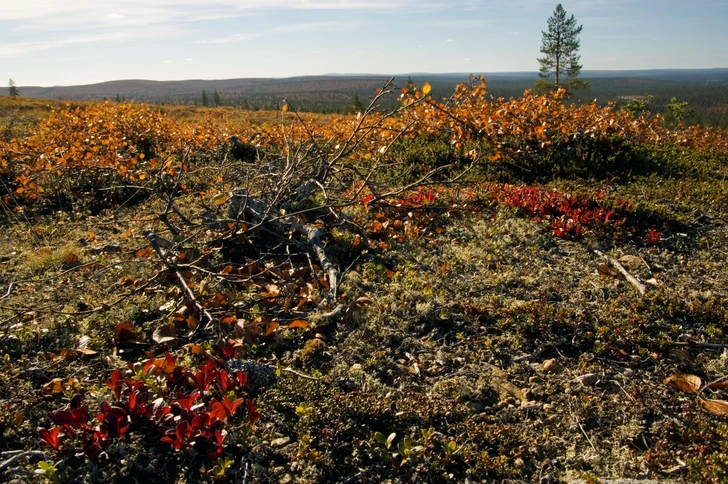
(590, 379)
(628, 373)
(547, 407)
(280, 442)
(535, 379)
(475, 407)
(552, 366)
(346, 384)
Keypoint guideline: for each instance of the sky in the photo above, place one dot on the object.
(70, 42)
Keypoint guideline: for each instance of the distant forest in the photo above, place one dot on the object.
(705, 91)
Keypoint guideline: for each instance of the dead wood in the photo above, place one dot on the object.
(629, 277)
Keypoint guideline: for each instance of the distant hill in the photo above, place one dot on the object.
(706, 90)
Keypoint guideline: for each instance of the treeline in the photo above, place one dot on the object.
(707, 100)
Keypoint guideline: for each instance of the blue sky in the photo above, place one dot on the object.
(63, 42)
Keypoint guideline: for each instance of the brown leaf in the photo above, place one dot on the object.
(86, 352)
(716, 407)
(197, 350)
(298, 323)
(53, 387)
(686, 383)
(607, 270)
(272, 326)
(143, 253)
(166, 333)
(719, 384)
(124, 332)
(230, 319)
(192, 321)
(67, 354)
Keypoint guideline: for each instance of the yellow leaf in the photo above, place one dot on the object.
(426, 88)
(284, 108)
(220, 198)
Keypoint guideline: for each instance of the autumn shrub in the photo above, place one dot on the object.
(540, 136)
(414, 157)
(190, 410)
(103, 151)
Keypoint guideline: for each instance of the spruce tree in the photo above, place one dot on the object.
(13, 90)
(560, 45)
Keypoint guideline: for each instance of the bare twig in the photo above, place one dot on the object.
(28, 453)
(629, 277)
(702, 346)
(189, 295)
(294, 372)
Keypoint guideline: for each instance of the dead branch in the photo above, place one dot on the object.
(301, 375)
(629, 277)
(154, 241)
(28, 453)
(701, 346)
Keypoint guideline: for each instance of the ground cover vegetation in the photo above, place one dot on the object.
(468, 289)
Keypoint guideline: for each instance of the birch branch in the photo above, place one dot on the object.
(629, 277)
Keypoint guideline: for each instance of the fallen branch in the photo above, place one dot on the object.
(155, 241)
(260, 210)
(28, 453)
(701, 346)
(301, 375)
(629, 277)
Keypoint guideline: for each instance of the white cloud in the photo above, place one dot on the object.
(230, 39)
(166, 62)
(19, 48)
(314, 27)
(115, 16)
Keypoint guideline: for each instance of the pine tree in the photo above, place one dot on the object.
(560, 46)
(205, 99)
(13, 90)
(357, 105)
(216, 98)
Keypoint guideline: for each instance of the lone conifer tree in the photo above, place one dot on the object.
(13, 90)
(560, 46)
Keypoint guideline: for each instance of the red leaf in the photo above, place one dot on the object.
(50, 437)
(253, 416)
(115, 383)
(186, 401)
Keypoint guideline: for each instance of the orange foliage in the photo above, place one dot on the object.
(110, 142)
(123, 140)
